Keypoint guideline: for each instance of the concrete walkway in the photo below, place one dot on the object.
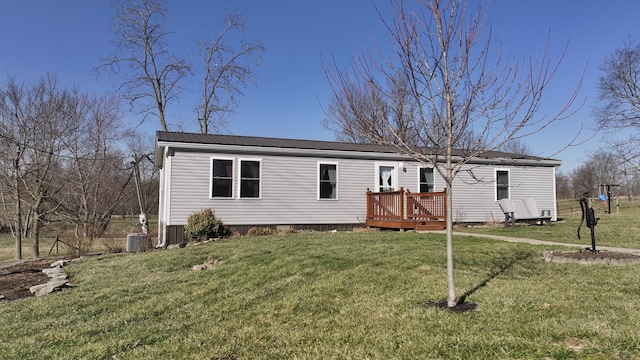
(540, 242)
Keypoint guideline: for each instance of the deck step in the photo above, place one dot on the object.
(435, 225)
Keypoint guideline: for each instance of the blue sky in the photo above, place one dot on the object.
(66, 37)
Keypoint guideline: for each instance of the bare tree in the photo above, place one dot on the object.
(631, 185)
(54, 109)
(15, 122)
(363, 110)
(619, 89)
(95, 177)
(584, 179)
(516, 146)
(607, 167)
(37, 120)
(619, 101)
(227, 69)
(465, 93)
(154, 73)
(58, 158)
(563, 186)
(138, 147)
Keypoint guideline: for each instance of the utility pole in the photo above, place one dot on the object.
(143, 216)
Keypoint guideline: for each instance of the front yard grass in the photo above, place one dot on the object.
(330, 296)
(621, 228)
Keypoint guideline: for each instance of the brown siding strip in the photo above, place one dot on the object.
(175, 233)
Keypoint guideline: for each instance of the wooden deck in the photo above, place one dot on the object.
(405, 210)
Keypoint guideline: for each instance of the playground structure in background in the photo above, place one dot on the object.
(604, 195)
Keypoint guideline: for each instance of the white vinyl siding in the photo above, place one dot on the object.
(474, 191)
(289, 193)
(289, 189)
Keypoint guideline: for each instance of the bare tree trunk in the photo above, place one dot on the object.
(451, 280)
(36, 225)
(36, 235)
(18, 230)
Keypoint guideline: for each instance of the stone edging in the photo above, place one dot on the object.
(602, 258)
(57, 280)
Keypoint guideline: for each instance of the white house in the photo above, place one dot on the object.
(256, 181)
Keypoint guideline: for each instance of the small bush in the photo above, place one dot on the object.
(256, 231)
(114, 246)
(77, 246)
(204, 225)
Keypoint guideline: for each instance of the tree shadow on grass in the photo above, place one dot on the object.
(500, 265)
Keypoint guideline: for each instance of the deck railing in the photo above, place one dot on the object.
(385, 205)
(427, 206)
(403, 208)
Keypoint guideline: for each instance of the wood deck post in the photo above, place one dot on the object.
(401, 194)
(369, 205)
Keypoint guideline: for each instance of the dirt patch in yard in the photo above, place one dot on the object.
(592, 257)
(16, 278)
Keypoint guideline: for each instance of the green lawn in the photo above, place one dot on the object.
(619, 229)
(330, 296)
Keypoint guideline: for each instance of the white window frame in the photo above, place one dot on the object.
(319, 180)
(239, 172)
(233, 177)
(394, 175)
(420, 179)
(495, 187)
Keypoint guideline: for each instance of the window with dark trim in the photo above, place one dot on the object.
(249, 178)
(426, 180)
(502, 184)
(222, 178)
(328, 181)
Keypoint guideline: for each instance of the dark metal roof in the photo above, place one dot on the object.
(218, 139)
(268, 142)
